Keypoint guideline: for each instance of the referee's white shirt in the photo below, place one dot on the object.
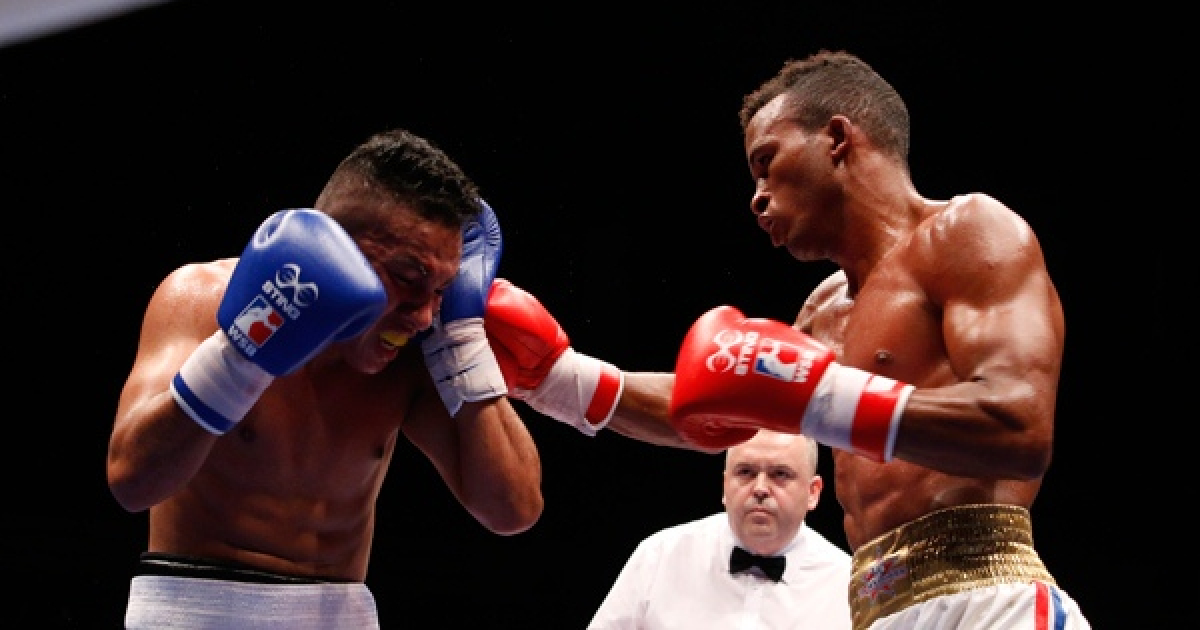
(678, 579)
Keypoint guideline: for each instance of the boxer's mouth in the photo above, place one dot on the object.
(393, 339)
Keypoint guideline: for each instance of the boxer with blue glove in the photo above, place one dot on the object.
(270, 391)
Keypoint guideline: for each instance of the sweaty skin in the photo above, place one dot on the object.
(292, 488)
(952, 297)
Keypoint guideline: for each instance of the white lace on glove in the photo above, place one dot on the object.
(462, 363)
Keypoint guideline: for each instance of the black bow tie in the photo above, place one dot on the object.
(741, 560)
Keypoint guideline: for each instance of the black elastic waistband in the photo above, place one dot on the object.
(157, 563)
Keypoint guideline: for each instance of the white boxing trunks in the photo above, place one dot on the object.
(970, 566)
(244, 600)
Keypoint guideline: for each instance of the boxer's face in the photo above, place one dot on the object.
(769, 489)
(416, 259)
(796, 188)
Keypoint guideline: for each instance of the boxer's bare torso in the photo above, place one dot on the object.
(292, 488)
(895, 324)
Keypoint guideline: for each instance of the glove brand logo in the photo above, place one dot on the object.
(255, 325)
(724, 359)
(303, 293)
(772, 357)
(784, 361)
(261, 318)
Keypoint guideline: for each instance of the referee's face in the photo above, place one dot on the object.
(769, 488)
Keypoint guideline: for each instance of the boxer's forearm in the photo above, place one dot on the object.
(641, 413)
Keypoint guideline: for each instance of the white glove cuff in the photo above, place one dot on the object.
(462, 363)
(579, 390)
(856, 411)
(217, 386)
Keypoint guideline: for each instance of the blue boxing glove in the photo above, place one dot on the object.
(300, 284)
(456, 347)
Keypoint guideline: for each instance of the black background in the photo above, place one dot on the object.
(606, 138)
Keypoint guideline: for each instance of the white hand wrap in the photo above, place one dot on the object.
(217, 386)
(856, 411)
(462, 363)
(579, 390)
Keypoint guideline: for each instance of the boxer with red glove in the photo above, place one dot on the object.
(540, 366)
(737, 373)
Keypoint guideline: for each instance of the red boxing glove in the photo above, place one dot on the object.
(739, 373)
(541, 368)
(713, 436)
